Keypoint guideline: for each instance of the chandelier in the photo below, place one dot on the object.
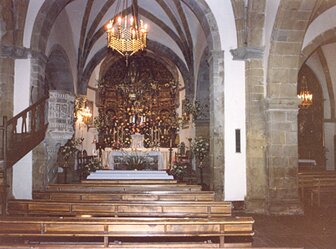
(305, 96)
(126, 34)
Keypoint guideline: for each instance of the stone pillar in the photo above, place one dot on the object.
(60, 129)
(38, 87)
(6, 104)
(256, 168)
(282, 155)
(6, 86)
(216, 89)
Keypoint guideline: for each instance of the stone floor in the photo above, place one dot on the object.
(316, 229)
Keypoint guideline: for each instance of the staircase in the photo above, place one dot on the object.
(18, 136)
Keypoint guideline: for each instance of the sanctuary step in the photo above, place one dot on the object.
(129, 174)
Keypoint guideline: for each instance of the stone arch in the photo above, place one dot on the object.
(44, 21)
(326, 37)
(207, 21)
(57, 72)
(282, 106)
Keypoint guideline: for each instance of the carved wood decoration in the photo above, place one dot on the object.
(310, 122)
(137, 98)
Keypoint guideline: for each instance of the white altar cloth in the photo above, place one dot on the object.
(162, 154)
(129, 174)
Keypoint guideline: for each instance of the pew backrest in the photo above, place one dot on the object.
(115, 209)
(103, 187)
(129, 196)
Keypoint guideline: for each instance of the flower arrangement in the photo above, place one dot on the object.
(69, 148)
(92, 166)
(178, 169)
(137, 160)
(200, 148)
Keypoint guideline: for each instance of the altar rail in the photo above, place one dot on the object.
(120, 209)
(129, 196)
(127, 227)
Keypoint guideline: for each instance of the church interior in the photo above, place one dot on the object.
(167, 124)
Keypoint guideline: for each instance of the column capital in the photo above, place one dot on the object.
(246, 53)
(15, 52)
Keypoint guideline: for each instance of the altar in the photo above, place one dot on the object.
(111, 158)
(129, 175)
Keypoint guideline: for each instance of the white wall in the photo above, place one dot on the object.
(234, 90)
(22, 170)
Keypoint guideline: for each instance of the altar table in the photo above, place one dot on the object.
(162, 156)
(129, 174)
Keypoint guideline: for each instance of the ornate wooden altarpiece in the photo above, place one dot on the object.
(140, 97)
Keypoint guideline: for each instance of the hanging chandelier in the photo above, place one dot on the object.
(126, 34)
(305, 96)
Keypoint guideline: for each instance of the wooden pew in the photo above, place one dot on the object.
(126, 227)
(101, 187)
(322, 185)
(306, 180)
(129, 196)
(120, 209)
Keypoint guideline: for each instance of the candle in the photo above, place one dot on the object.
(152, 129)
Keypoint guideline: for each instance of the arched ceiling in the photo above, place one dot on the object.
(175, 28)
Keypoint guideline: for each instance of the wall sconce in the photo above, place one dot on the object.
(85, 116)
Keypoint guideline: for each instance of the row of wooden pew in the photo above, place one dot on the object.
(314, 184)
(124, 209)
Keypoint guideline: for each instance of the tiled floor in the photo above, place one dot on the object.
(316, 229)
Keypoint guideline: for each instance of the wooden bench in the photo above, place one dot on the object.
(119, 209)
(129, 196)
(126, 227)
(306, 179)
(322, 185)
(101, 187)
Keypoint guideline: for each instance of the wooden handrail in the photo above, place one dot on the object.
(42, 100)
(20, 140)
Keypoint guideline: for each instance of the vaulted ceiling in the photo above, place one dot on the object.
(176, 31)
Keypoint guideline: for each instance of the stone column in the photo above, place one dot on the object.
(282, 155)
(60, 129)
(256, 168)
(6, 104)
(38, 88)
(216, 66)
